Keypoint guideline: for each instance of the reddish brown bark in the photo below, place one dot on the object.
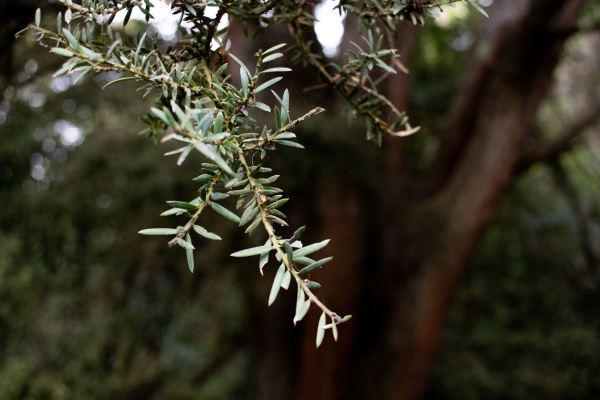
(492, 116)
(406, 293)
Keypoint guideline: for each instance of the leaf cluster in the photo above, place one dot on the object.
(199, 107)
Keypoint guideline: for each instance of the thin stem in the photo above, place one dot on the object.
(275, 242)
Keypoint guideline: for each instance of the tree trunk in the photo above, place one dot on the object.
(405, 291)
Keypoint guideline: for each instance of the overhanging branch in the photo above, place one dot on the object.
(563, 142)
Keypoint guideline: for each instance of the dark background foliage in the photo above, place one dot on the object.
(91, 310)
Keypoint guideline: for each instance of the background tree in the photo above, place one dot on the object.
(400, 282)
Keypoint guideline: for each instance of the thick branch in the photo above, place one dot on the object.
(563, 142)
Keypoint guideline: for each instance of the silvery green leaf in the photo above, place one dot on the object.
(73, 42)
(252, 251)
(203, 232)
(288, 143)
(334, 330)
(225, 212)
(272, 57)
(218, 196)
(62, 52)
(277, 283)
(252, 227)
(310, 249)
(286, 135)
(204, 149)
(272, 49)
(173, 211)
(298, 233)
(303, 310)
(267, 84)
(241, 64)
(189, 252)
(185, 244)
(182, 204)
(277, 203)
(262, 106)
(315, 265)
(312, 285)
(248, 215)
(304, 260)
(203, 178)
(277, 69)
(320, 330)
(287, 277)
(158, 231)
(300, 297)
(478, 7)
(216, 137)
(265, 181)
(288, 251)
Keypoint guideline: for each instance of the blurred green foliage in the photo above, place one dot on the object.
(89, 310)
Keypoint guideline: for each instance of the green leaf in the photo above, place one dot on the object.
(158, 231)
(248, 215)
(303, 309)
(267, 84)
(216, 138)
(334, 330)
(241, 64)
(185, 245)
(315, 265)
(71, 39)
(203, 178)
(252, 227)
(38, 17)
(203, 232)
(252, 251)
(266, 181)
(204, 149)
(173, 211)
(182, 204)
(277, 69)
(300, 298)
(262, 106)
(189, 253)
(287, 278)
(62, 52)
(225, 212)
(272, 57)
(112, 48)
(478, 7)
(320, 330)
(298, 233)
(286, 135)
(272, 49)
(128, 78)
(277, 203)
(264, 259)
(244, 78)
(288, 143)
(288, 251)
(310, 249)
(218, 196)
(304, 260)
(312, 285)
(277, 283)
(346, 318)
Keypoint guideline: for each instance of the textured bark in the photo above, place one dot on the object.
(492, 115)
